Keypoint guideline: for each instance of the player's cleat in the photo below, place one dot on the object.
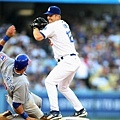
(7, 113)
(54, 115)
(81, 113)
(44, 117)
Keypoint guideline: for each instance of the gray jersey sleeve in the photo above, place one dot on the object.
(3, 58)
(5, 61)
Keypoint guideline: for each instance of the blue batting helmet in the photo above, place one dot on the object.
(21, 61)
(53, 10)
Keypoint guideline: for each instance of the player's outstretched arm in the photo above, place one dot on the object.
(9, 33)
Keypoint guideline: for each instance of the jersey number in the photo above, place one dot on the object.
(68, 32)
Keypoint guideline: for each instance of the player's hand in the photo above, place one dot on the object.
(11, 31)
(39, 23)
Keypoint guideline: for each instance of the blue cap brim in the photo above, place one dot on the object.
(48, 13)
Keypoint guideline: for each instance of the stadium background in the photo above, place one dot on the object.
(95, 26)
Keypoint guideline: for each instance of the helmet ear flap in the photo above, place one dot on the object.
(21, 61)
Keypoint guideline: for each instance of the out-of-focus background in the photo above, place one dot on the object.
(95, 25)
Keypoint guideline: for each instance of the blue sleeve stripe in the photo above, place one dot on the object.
(16, 105)
(43, 35)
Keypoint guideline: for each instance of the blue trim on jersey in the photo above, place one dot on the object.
(1, 47)
(16, 105)
(43, 35)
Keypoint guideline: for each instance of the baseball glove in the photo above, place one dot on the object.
(39, 23)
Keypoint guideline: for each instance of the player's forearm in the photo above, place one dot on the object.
(37, 35)
(3, 41)
(19, 110)
(9, 33)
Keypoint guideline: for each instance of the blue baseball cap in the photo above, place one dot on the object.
(21, 61)
(53, 10)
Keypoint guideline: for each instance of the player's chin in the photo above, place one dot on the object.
(50, 21)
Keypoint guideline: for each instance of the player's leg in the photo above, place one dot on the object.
(37, 100)
(9, 101)
(58, 74)
(70, 95)
(51, 83)
(52, 80)
(32, 109)
(65, 68)
(63, 86)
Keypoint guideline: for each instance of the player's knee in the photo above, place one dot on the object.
(49, 82)
(46, 82)
(62, 88)
(38, 102)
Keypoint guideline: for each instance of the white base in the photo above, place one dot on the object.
(17, 117)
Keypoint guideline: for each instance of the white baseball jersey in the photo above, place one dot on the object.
(61, 38)
(17, 87)
(68, 63)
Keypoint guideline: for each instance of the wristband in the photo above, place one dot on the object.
(24, 115)
(6, 38)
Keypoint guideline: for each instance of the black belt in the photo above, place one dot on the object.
(61, 58)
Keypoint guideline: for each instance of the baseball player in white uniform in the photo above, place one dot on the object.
(16, 83)
(59, 34)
